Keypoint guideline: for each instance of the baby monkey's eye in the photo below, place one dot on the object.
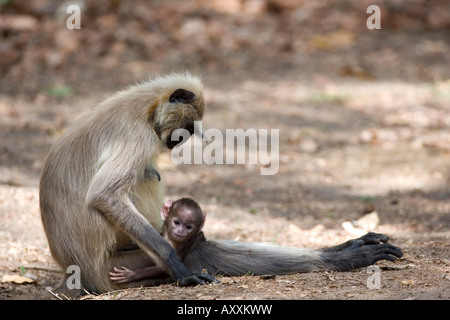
(189, 227)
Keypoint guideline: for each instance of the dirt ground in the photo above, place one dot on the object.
(363, 119)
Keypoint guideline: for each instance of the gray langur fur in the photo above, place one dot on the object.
(101, 194)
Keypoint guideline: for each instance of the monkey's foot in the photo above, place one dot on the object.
(195, 279)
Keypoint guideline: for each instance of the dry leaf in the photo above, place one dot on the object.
(348, 226)
(335, 39)
(227, 280)
(13, 278)
(398, 267)
(408, 282)
(369, 221)
(330, 277)
(363, 225)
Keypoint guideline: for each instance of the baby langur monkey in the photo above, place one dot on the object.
(183, 224)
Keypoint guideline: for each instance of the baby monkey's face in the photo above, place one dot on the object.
(183, 225)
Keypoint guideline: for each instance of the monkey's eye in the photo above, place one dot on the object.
(189, 227)
(176, 222)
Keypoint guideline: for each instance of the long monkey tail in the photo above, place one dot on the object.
(234, 258)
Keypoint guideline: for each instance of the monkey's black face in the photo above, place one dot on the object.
(182, 96)
(180, 137)
(173, 120)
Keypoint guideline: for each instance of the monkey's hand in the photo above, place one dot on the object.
(151, 173)
(192, 280)
(362, 252)
(122, 275)
(373, 238)
(369, 238)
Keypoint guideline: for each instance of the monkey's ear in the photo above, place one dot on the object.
(203, 221)
(165, 209)
(181, 96)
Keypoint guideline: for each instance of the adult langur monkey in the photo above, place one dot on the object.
(101, 194)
